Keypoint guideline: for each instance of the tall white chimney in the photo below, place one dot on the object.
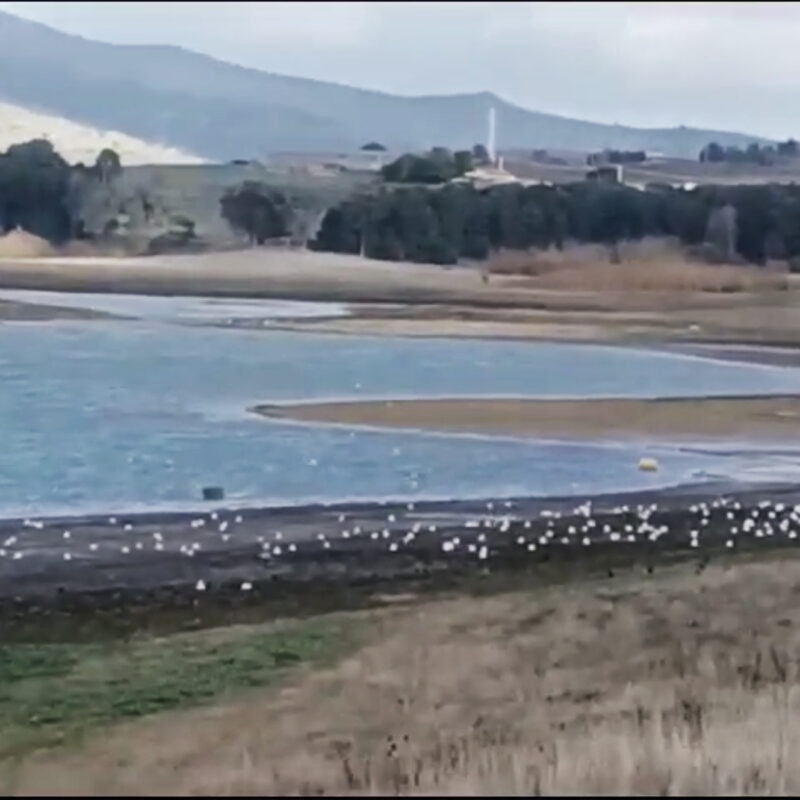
(491, 144)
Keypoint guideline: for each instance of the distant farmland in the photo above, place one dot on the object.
(194, 191)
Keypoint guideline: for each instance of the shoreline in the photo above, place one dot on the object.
(293, 551)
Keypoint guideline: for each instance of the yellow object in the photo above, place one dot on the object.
(648, 465)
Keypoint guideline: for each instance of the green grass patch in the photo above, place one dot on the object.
(52, 693)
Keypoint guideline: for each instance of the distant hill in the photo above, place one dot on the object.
(76, 142)
(222, 111)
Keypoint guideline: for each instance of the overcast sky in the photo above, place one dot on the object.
(730, 66)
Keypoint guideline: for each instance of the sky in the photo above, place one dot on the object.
(729, 66)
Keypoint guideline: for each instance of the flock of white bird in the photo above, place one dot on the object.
(474, 537)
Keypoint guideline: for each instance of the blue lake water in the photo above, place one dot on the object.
(123, 415)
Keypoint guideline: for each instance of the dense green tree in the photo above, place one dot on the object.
(35, 191)
(455, 221)
(256, 210)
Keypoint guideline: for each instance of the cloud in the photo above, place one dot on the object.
(726, 65)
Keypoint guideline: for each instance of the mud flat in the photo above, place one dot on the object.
(325, 557)
(767, 418)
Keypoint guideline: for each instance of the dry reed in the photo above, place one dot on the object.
(646, 266)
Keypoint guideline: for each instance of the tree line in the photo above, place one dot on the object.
(715, 153)
(442, 225)
(42, 193)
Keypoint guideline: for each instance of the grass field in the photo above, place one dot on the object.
(667, 683)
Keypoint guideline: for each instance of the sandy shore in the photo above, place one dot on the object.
(775, 419)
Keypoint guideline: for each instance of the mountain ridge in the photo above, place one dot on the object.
(221, 110)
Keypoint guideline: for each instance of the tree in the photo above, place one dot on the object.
(480, 154)
(256, 210)
(713, 153)
(462, 161)
(374, 147)
(437, 167)
(721, 231)
(35, 191)
(107, 165)
(788, 148)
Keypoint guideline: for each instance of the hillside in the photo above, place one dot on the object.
(77, 142)
(222, 111)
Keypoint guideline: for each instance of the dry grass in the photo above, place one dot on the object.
(646, 266)
(672, 683)
(21, 244)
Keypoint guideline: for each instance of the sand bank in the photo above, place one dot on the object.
(763, 418)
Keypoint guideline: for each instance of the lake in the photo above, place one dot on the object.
(124, 415)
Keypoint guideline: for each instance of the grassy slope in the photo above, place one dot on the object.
(668, 683)
(53, 692)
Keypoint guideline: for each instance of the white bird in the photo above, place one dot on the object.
(66, 534)
(125, 550)
(246, 586)
(483, 553)
(200, 586)
(67, 557)
(93, 547)
(238, 519)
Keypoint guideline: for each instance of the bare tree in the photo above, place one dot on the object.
(721, 232)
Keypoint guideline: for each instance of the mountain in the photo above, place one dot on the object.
(222, 111)
(76, 142)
